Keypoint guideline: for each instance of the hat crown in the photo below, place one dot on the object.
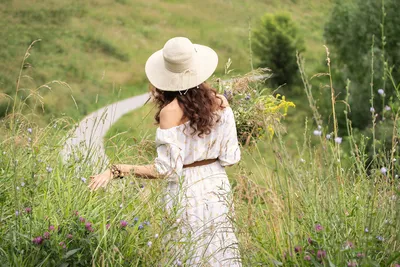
(178, 54)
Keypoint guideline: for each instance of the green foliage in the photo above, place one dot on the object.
(350, 32)
(276, 41)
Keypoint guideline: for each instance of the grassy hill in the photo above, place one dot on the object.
(99, 47)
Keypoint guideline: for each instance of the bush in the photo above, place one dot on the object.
(275, 44)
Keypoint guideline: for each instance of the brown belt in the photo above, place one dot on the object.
(200, 163)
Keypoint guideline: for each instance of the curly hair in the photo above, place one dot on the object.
(199, 105)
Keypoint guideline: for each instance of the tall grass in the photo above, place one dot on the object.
(321, 207)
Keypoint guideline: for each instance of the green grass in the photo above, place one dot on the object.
(100, 47)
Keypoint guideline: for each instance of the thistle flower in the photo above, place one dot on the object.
(108, 226)
(321, 254)
(46, 235)
(81, 219)
(318, 228)
(298, 249)
(338, 140)
(381, 92)
(28, 210)
(307, 257)
(37, 240)
(69, 236)
(352, 264)
(383, 170)
(360, 255)
(123, 223)
(88, 227)
(348, 245)
(51, 228)
(62, 244)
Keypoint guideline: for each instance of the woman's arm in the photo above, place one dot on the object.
(143, 171)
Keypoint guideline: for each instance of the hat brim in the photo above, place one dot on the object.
(204, 63)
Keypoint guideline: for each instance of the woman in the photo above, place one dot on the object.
(196, 139)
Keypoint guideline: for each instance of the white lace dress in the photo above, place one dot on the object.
(203, 192)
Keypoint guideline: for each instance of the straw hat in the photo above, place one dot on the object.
(180, 65)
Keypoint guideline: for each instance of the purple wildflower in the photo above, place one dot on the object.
(81, 219)
(380, 238)
(307, 257)
(178, 263)
(28, 210)
(88, 227)
(149, 243)
(49, 169)
(37, 240)
(371, 109)
(141, 186)
(318, 228)
(381, 92)
(51, 228)
(298, 249)
(29, 130)
(366, 230)
(352, 264)
(310, 241)
(146, 223)
(46, 235)
(123, 224)
(69, 236)
(383, 170)
(83, 179)
(140, 227)
(108, 226)
(247, 97)
(16, 212)
(360, 255)
(349, 245)
(62, 244)
(321, 254)
(76, 213)
(387, 108)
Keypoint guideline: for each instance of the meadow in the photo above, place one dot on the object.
(303, 196)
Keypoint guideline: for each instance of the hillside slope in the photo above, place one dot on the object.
(99, 47)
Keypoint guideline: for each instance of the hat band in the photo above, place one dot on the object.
(178, 67)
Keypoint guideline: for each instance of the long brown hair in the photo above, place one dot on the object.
(198, 106)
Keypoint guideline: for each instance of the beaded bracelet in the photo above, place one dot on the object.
(116, 172)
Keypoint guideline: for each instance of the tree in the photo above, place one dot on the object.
(276, 41)
(349, 33)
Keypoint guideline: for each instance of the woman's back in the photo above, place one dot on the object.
(177, 146)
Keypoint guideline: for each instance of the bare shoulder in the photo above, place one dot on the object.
(225, 102)
(171, 115)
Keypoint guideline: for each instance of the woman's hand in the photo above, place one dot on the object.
(100, 180)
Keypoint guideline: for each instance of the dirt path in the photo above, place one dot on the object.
(86, 141)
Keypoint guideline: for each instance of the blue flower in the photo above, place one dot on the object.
(247, 97)
(83, 179)
(146, 222)
(380, 238)
(49, 169)
(140, 226)
(383, 170)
